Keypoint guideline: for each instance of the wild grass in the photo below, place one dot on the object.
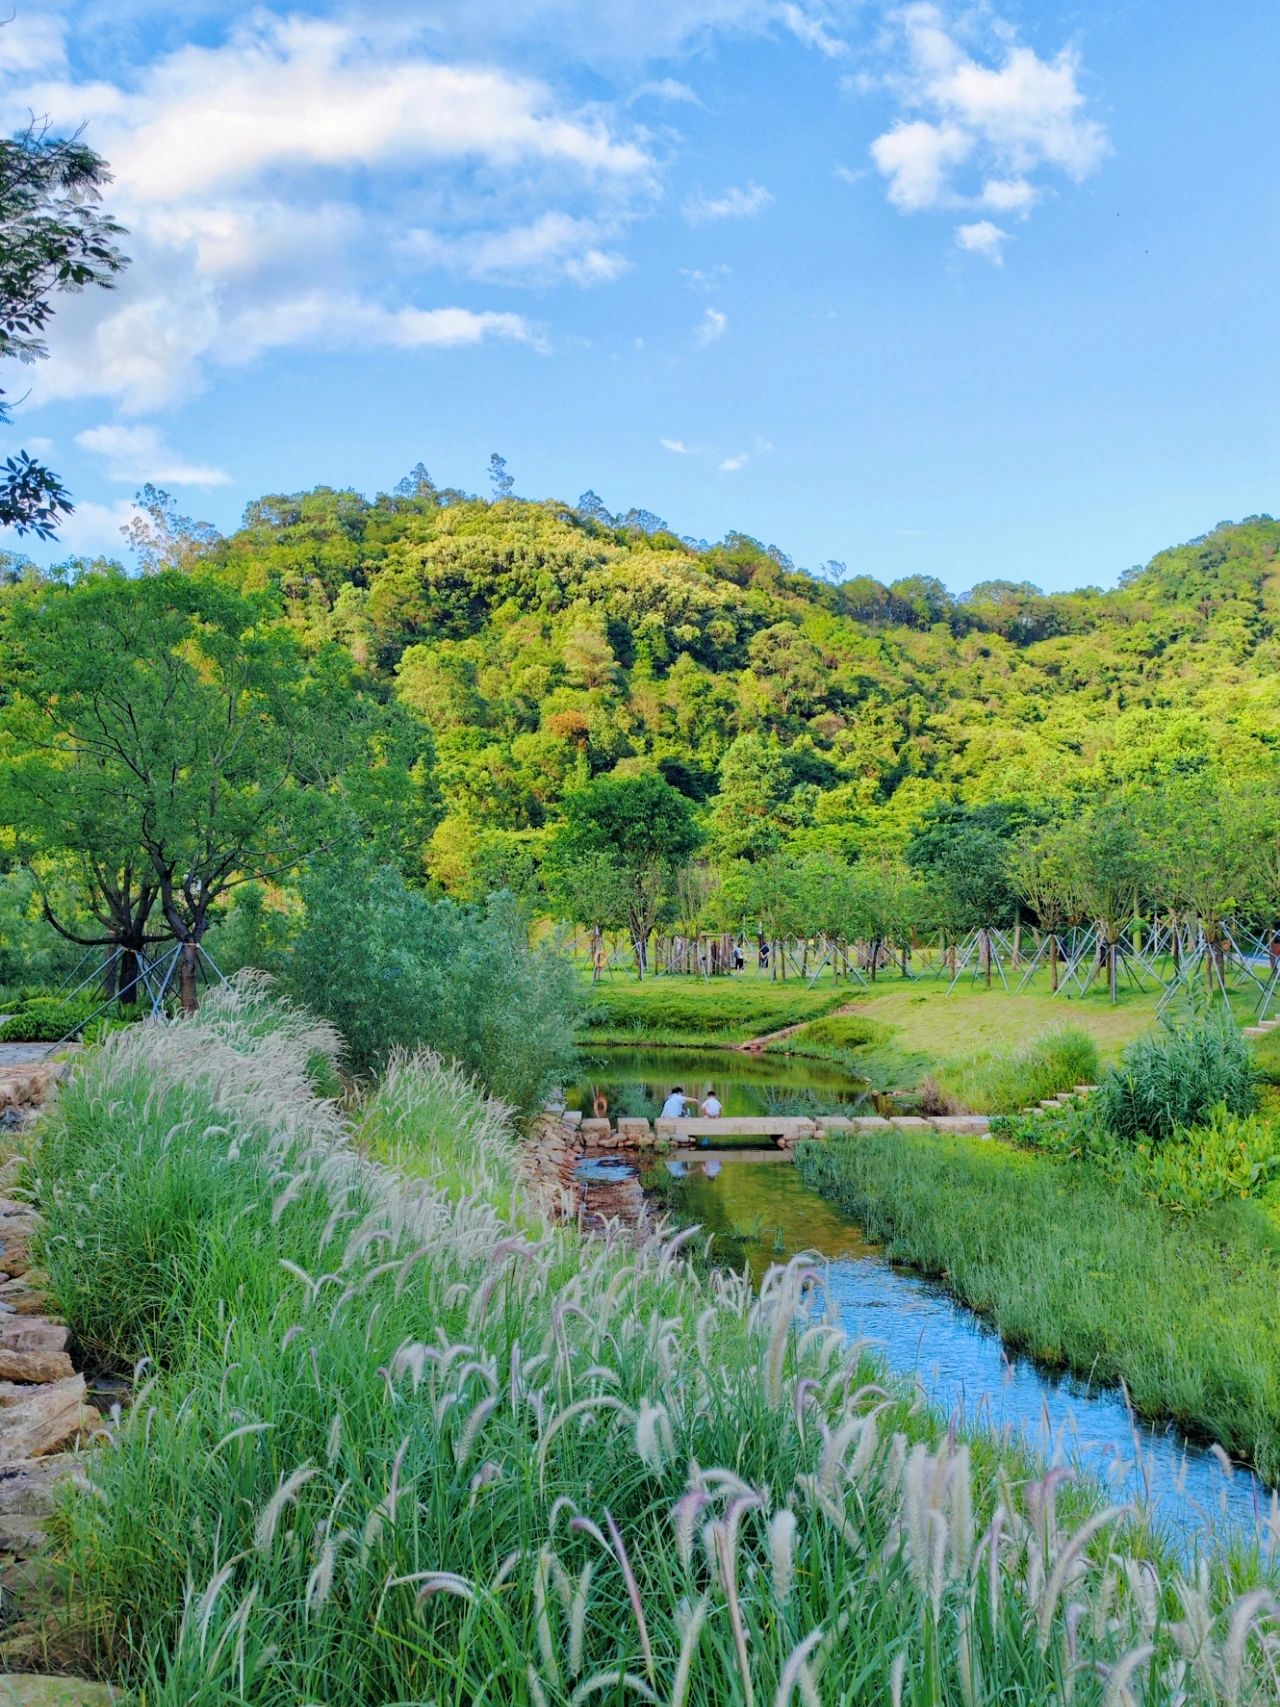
(1172, 1078)
(1002, 1083)
(401, 1440)
(1083, 1275)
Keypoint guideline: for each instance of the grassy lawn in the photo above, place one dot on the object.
(1181, 1309)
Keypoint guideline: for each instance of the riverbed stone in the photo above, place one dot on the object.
(51, 1416)
(32, 1349)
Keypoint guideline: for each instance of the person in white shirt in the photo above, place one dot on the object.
(673, 1108)
(711, 1106)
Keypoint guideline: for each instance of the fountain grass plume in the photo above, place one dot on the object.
(407, 1441)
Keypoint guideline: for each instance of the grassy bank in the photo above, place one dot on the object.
(695, 1013)
(402, 1441)
(1084, 1277)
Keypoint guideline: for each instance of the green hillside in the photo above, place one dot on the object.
(543, 646)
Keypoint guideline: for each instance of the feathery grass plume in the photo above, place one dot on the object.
(473, 1382)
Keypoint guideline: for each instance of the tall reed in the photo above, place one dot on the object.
(400, 1440)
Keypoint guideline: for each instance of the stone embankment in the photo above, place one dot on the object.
(45, 1419)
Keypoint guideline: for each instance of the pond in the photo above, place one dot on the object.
(637, 1082)
(758, 1210)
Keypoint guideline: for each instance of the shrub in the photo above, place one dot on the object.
(395, 971)
(1230, 1155)
(1174, 1077)
(1041, 1068)
(718, 1007)
(46, 1019)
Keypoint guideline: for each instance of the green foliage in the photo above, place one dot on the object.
(1229, 1156)
(54, 238)
(404, 1440)
(1038, 1069)
(167, 735)
(394, 971)
(1173, 1077)
(1079, 1274)
(45, 1019)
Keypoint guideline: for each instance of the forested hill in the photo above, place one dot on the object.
(543, 644)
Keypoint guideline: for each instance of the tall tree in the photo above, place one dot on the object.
(645, 829)
(54, 238)
(174, 728)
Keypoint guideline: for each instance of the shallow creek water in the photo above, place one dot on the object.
(637, 1081)
(758, 1210)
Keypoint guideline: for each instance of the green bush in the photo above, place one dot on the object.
(1041, 1068)
(45, 1019)
(1174, 1077)
(394, 971)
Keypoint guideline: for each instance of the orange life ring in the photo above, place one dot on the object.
(601, 1105)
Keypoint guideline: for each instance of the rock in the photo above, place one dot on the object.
(52, 1416)
(32, 1349)
(18, 1295)
(903, 1123)
(594, 1131)
(634, 1131)
(9, 1172)
(28, 1487)
(15, 1244)
(55, 1692)
(961, 1125)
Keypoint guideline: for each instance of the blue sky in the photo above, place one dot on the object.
(970, 291)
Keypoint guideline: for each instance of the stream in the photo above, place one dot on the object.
(757, 1211)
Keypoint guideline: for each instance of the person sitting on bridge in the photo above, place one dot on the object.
(711, 1105)
(673, 1108)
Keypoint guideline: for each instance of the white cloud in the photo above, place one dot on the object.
(983, 238)
(917, 158)
(33, 41)
(93, 530)
(1009, 114)
(554, 245)
(711, 327)
(677, 446)
(732, 464)
(139, 454)
(291, 152)
(665, 89)
(809, 29)
(1009, 195)
(323, 317)
(301, 92)
(733, 203)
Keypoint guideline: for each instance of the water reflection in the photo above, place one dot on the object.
(636, 1082)
(757, 1210)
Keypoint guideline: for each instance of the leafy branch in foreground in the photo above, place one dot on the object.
(54, 238)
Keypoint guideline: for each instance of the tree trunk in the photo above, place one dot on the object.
(127, 979)
(187, 977)
(904, 959)
(1053, 962)
(1017, 945)
(984, 937)
(1111, 972)
(111, 971)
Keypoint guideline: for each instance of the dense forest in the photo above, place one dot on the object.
(543, 645)
(573, 706)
